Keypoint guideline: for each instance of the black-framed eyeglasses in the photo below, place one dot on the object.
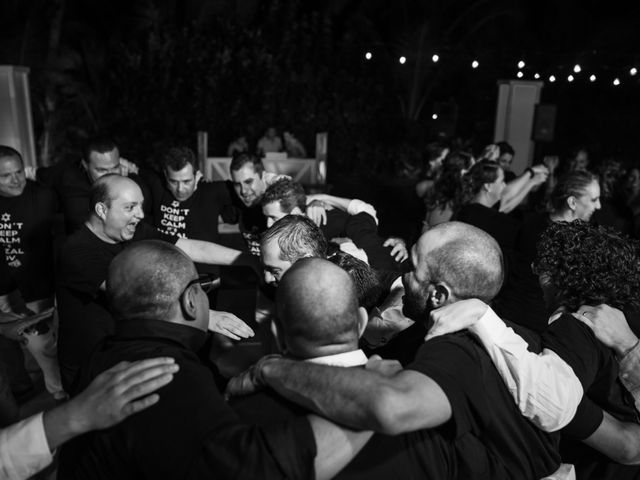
(207, 282)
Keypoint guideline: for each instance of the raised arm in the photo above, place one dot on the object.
(543, 385)
(519, 188)
(361, 399)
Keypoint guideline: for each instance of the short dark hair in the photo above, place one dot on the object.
(287, 193)
(99, 143)
(504, 147)
(240, 159)
(7, 151)
(368, 287)
(571, 184)
(176, 158)
(166, 268)
(298, 237)
(590, 265)
(469, 260)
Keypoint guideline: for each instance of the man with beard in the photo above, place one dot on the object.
(115, 221)
(451, 384)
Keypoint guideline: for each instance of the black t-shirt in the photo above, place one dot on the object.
(196, 217)
(26, 236)
(73, 187)
(84, 319)
(499, 225)
(494, 440)
(596, 367)
(191, 433)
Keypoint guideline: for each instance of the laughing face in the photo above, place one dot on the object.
(123, 212)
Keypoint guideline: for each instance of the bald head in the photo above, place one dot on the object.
(317, 309)
(116, 208)
(146, 280)
(464, 257)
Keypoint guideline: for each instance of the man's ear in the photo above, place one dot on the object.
(84, 164)
(296, 211)
(198, 176)
(363, 320)
(571, 201)
(439, 295)
(101, 210)
(188, 304)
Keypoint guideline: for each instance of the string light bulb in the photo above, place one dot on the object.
(570, 78)
(474, 64)
(592, 78)
(552, 78)
(521, 64)
(402, 60)
(536, 76)
(435, 58)
(434, 116)
(616, 82)
(368, 55)
(519, 74)
(577, 68)
(633, 71)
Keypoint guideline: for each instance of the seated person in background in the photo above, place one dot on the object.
(286, 197)
(239, 145)
(578, 264)
(115, 221)
(27, 447)
(319, 321)
(160, 308)
(452, 383)
(270, 142)
(293, 146)
(27, 212)
(434, 155)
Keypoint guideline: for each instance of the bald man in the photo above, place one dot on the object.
(115, 220)
(161, 308)
(451, 384)
(319, 320)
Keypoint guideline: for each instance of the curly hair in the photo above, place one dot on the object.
(288, 193)
(590, 265)
(448, 187)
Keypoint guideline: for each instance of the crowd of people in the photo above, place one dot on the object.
(503, 345)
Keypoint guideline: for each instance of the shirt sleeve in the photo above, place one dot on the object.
(24, 450)
(362, 229)
(357, 206)
(543, 386)
(630, 373)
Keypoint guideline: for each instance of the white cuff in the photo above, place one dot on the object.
(358, 206)
(24, 450)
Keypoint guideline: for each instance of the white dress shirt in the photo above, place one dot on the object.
(24, 450)
(544, 386)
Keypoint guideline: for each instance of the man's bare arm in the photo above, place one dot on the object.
(358, 398)
(620, 441)
(212, 253)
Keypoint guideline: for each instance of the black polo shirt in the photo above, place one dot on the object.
(26, 236)
(497, 224)
(191, 433)
(84, 319)
(493, 439)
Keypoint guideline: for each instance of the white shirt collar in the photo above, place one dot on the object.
(354, 358)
